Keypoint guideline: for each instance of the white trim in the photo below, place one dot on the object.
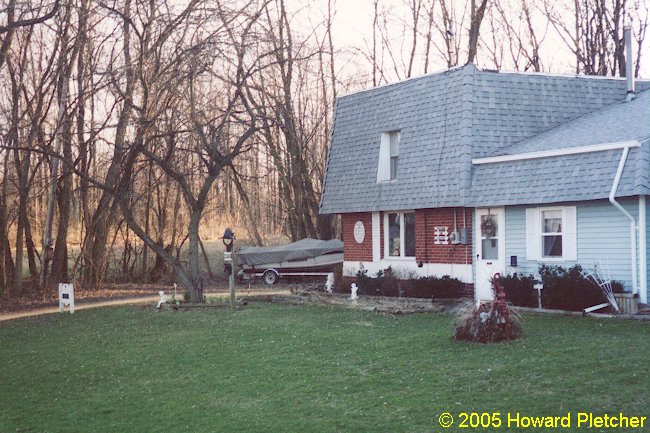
(410, 267)
(376, 237)
(486, 268)
(535, 234)
(557, 152)
(643, 251)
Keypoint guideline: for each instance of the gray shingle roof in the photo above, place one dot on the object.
(446, 119)
(585, 176)
(431, 113)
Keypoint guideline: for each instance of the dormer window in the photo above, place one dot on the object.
(388, 156)
(394, 154)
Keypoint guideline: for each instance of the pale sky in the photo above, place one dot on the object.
(353, 26)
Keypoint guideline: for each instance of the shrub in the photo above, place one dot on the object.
(567, 289)
(384, 283)
(484, 324)
(387, 283)
(435, 287)
(520, 290)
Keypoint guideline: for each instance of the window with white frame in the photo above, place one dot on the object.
(388, 156)
(551, 233)
(399, 234)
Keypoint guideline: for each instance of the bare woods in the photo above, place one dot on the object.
(130, 130)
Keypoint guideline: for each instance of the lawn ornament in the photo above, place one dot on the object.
(66, 297)
(163, 298)
(353, 293)
(501, 304)
(600, 277)
(330, 282)
(489, 322)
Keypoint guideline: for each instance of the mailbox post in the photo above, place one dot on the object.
(228, 240)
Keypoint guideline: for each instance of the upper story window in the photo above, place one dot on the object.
(394, 153)
(388, 156)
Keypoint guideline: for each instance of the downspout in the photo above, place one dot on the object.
(612, 200)
(643, 253)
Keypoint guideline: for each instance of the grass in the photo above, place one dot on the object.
(272, 368)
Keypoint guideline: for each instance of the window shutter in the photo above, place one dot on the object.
(533, 234)
(383, 166)
(569, 234)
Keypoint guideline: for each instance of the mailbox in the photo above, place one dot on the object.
(66, 297)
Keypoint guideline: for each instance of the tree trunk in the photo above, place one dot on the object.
(4, 240)
(196, 286)
(475, 28)
(97, 235)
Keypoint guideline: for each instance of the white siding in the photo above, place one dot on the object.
(603, 234)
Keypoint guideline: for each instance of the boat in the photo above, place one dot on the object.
(306, 257)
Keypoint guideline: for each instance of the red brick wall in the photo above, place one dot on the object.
(353, 251)
(426, 249)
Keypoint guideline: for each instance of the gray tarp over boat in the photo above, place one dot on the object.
(301, 250)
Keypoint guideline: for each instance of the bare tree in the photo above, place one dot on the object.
(594, 34)
(477, 14)
(28, 19)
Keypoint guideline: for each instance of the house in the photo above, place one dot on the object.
(469, 172)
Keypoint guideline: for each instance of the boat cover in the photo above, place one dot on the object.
(301, 250)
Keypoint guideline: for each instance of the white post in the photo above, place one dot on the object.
(231, 281)
(539, 288)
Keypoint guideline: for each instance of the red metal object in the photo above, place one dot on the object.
(501, 304)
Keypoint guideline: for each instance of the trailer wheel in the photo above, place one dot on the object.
(270, 277)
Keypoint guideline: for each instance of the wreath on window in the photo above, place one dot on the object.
(488, 226)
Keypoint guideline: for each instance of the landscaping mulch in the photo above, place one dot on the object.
(380, 304)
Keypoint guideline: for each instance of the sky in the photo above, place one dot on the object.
(353, 28)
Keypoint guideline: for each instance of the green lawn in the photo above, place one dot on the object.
(272, 368)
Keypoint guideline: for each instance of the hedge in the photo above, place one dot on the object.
(387, 283)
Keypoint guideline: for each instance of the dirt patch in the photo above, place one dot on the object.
(379, 304)
(105, 293)
(113, 292)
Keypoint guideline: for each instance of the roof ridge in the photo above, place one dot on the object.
(406, 80)
(560, 75)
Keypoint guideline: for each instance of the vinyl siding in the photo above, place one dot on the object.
(603, 235)
(647, 239)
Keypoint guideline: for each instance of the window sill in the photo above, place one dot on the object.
(399, 259)
(553, 260)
